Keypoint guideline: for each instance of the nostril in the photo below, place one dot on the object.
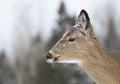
(49, 56)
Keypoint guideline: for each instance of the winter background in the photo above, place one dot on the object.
(29, 28)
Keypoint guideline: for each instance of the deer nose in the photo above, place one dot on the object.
(49, 56)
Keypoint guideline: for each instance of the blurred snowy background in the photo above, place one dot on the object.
(29, 28)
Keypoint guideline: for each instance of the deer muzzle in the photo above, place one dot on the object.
(50, 58)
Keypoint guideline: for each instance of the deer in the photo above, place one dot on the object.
(80, 45)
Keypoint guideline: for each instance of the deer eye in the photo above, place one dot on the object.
(71, 40)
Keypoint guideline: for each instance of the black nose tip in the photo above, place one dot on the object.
(49, 56)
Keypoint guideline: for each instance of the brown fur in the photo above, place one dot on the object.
(101, 66)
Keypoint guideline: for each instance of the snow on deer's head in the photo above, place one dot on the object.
(76, 44)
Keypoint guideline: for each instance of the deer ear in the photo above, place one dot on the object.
(84, 21)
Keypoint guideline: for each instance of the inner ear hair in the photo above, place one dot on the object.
(83, 23)
(83, 12)
(83, 19)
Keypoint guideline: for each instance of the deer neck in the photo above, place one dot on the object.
(98, 66)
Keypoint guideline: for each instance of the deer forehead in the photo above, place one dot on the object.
(70, 33)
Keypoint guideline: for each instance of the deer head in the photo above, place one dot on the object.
(77, 43)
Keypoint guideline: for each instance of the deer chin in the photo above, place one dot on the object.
(57, 60)
(50, 60)
(79, 62)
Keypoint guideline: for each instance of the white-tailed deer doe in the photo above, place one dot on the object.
(80, 45)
